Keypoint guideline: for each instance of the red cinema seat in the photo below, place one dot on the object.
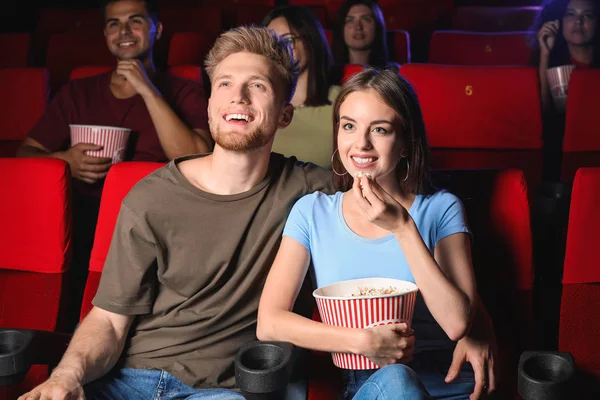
(581, 144)
(191, 72)
(350, 70)
(475, 48)
(494, 19)
(60, 20)
(119, 181)
(398, 42)
(497, 208)
(36, 249)
(579, 312)
(24, 97)
(86, 72)
(481, 117)
(15, 49)
(69, 50)
(189, 48)
(190, 19)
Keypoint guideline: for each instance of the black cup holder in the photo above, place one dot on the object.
(545, 375)
(262, 369)
(15, 355)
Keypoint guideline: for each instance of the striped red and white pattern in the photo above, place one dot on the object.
(364, 312)
(558, 80)
(113, 139)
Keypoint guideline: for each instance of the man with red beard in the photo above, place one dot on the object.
(193, 244)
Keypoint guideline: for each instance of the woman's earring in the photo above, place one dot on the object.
(333, 169)
(407, 170)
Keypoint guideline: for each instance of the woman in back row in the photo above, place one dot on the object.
(309, 136)
(566, 34)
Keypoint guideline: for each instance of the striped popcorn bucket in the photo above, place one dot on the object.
(558, 80)
(338, 307)
(113, 139)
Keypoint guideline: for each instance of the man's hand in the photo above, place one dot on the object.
(57, 387)
(133, 72)
(86, 168)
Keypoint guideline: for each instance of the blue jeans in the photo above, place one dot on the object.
(152, 384)
(422, 378)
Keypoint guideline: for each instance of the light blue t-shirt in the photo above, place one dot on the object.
(337, 253)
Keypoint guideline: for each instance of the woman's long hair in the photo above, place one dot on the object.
(305, 24)
(555, 10)
(396, 92)
(378, 57)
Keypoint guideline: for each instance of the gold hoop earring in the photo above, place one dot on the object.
(407, 170)
(333, 169)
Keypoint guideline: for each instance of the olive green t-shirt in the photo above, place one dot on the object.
(191, 266)
(310, 135)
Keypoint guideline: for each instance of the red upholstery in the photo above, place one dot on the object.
(119, 181)
(474, 48)
(75, 49)
(59, 20)
(416, 17)
(14, 48)
(190, 19)
(579, 314)
(351, 69)
(246, 14)
(86, 72)
(35, 233)
(189, 48)
(191, 72)
(480, 117)
(24, 98)
(582, 234)
(399, 46)
(498, 215)
(35, 236)
(494, 19)
(581, 145)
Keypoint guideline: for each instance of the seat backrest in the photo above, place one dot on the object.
(399, 45)
(119, 181)
(35, 237)
(478, 107)
(581, 144)
(15, 48)
(351, 69)
(69, 50)
(191, 72)
(479, 48)
(191, 19)
(59, 20)
(189, 48)
(579, 311)
(88, 71)
(35, 233)
(24, 98)
(494, 19)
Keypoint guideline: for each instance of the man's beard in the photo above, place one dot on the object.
(242, 143)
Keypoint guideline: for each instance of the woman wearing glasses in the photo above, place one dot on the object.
(309, 136)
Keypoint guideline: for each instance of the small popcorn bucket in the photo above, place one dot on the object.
(558, 80)
(113, 139)
(337, 306)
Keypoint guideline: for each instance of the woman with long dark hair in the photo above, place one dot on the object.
(309, 136)
(566, 34)
(359, 35)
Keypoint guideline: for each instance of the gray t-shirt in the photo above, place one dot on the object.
(191, 265)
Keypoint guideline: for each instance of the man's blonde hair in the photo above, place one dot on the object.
(261, 41)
